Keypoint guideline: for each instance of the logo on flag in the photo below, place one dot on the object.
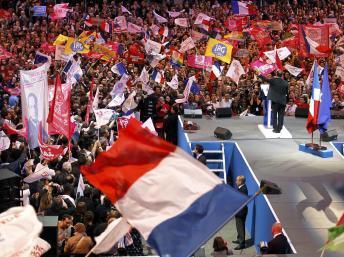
(219, 50)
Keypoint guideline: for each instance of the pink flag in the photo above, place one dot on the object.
(133, 28)
(60, 11)
(175, 14)
(186, 45)
(263, 67)
(183, 22)
(197, 36)
(200, 61)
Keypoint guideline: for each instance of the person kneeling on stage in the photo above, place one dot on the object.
(279, 244)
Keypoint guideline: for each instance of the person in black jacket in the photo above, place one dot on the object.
(278, 91)
(279, 244)
(198, 154)
(240, 217)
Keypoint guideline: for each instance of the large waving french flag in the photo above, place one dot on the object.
(242, 8)
(175, 202)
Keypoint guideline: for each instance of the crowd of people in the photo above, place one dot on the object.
(81, 218)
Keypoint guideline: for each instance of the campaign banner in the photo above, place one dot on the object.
(103, 116)
(34, 97)
(40, 11)
(219, 50)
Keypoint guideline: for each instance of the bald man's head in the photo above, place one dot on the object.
(276, 228)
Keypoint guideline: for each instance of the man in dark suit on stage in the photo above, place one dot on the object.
(198, 153)
(278, 91)
(240, 217)
(279, 244)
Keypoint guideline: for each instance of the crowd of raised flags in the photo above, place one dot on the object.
(231, 49)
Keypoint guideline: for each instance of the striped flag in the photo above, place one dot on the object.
(312, 122)
(155, 166)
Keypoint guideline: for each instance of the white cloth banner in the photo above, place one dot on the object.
(119, 86)
(186, 45)
(19, 231)
(40, 172)
(159, 18)
(282, 54)
(133, 28)
(34, 96)
(4, 141)
(112, 234)
(295, 71)
(103, 116)
(235, 71)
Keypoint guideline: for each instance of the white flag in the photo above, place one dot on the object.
(183, 22)
(112, 234)
(144, 76)
(159, 18)
(125, 10)
(200, 17)
(81, 187)
(40, 173)
(133, 28)
(186, 90)
(235, 71)
(119, 86)
(60, 55)
(173, 83)
(152, 47)
(19, 233)
(149, 125)
(309, 80)
(282, 54)
(129, 103)
(186, 45)
(96, 100)
(4, 141)
(117, 100)
(295, 71)
(103, 116)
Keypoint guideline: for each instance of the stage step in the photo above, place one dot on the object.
(212, 151)
(215, 160)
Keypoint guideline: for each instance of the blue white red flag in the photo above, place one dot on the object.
(242, 8)
(158, 77)
(146, 187)
(312, 122)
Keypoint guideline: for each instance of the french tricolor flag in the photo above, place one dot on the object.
(312, 121)
(216, 70)
(158, 77)
(242, 8)
(174, 201)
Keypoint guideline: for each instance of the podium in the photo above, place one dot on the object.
(267, 121)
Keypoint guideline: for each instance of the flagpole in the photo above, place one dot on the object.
(322, 253)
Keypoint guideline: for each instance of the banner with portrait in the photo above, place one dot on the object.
(34, 97)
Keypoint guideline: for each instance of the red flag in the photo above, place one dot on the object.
(278, 62)
(234, 24)
(261, 36)
(314, 40)
(13, 131)
(89, 105)
(59, 114)
(4, 14)
(48, 152)
(4, 54)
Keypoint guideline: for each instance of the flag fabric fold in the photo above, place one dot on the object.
(325, 104)
(159, 18)
(134, 184)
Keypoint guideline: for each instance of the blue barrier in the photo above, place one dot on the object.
(260, 215)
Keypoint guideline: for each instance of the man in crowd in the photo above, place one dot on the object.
(198, 153)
